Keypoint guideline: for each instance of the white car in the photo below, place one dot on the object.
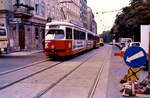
(134, 44)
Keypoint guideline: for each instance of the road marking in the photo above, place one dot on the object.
(135, 56)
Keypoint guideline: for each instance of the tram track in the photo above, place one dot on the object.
(25, 66)
(33, 77)
(93, 88)
(92, 91)
(41, 93)
(28, 76)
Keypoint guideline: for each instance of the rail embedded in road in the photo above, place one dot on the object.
(25, 66)
(7, 84)
(41, 93)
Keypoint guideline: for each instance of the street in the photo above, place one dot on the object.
(94, 74)
(8, 61)
(74, 48)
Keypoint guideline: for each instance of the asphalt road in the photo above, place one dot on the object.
(60, 84)
(8, 62)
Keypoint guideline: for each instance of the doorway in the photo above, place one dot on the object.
(21, 36)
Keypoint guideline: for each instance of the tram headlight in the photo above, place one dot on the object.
(52, 46)
(46, 45)
(2, 49)
(69, 45)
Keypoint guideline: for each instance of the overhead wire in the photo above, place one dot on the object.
(111, 11)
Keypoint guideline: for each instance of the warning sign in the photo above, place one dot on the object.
(134, 73)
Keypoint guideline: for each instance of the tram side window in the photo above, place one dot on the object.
(68, 33)
(82, 35)
(76, 34)
(92, 37)
(97, 39)
(2, 32)
(89, 37)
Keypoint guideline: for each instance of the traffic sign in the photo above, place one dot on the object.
(135, 57)
(134, 73)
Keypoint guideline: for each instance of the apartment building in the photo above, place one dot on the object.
(71, 10)
(83, 14)
(91, 23)
(25, 21)
(78, 11)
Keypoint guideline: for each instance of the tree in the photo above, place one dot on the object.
(127, 23)
(107, 36)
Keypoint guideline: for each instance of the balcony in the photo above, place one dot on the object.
(23, 11)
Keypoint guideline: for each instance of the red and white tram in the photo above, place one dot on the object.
(64, 39)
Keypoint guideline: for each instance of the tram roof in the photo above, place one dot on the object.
(60, 23)
(64, 23)
(67, 24)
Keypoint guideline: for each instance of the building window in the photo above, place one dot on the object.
(36, 33)
(36, 7)
(53, 12)
(43, 8)
(48, 9)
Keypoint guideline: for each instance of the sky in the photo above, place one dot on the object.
(105, 21)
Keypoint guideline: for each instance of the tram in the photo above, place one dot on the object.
(3, 39)
(64, 39)
(101, 42)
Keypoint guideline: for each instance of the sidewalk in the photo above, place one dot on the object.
(117, 70)
(25, 52)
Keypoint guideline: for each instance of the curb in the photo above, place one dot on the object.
(24, 53)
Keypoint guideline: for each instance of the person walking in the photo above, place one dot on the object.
(43, 43)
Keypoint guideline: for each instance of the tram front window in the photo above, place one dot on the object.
(55, 34)
(2, 32)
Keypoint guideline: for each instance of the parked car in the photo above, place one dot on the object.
(134, 44)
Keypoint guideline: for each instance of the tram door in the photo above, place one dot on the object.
(21, 37)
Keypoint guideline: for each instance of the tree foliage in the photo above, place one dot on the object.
(127, 23)
(107, 36)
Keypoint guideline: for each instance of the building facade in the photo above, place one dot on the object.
(71, 10)
(53, 10)
(89, 18)
(91, 23)
(25, 21)
(83, 14)
(94, 26)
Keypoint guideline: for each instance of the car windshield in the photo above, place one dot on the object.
(55, 34)
(135, 44)
(2, 32)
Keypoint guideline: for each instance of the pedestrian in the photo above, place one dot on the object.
(43, 43)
